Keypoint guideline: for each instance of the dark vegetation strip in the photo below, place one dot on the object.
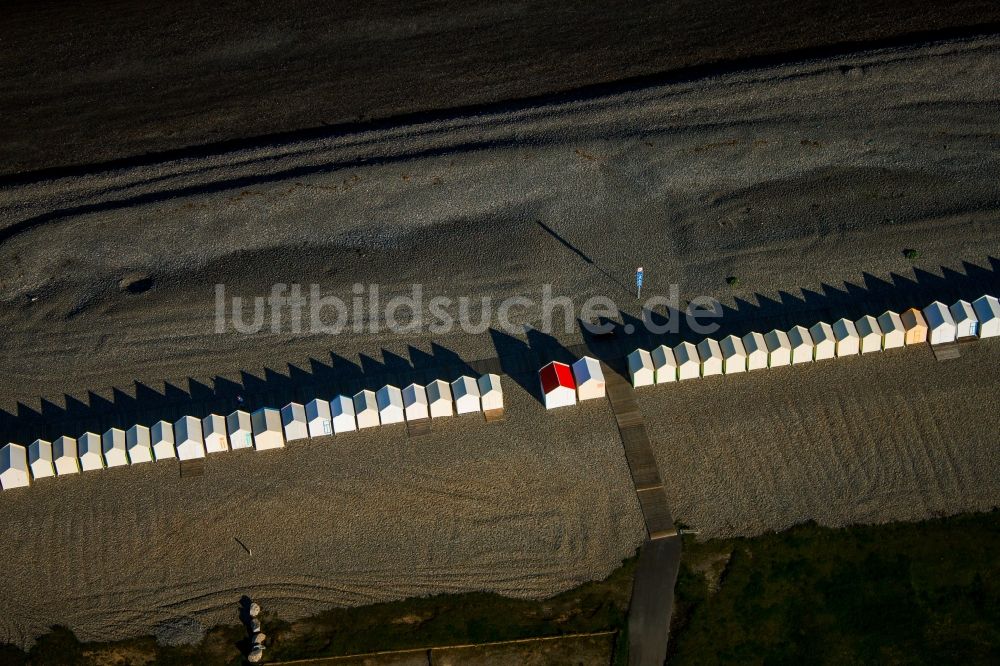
(904, 593)
(913, 593)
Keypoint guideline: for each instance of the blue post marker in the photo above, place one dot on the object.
(638, 283)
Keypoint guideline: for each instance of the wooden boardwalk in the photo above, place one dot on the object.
(951, 350)
(639, 454)
(191, 468)
(418, 428)
(660, 557)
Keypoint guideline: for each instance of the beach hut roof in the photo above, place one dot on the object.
(555, 375)
(415, 402)
(798, 336)
(685, 353)
(777, 339)
(389, 398)
(586, 370)
(890, 321)
(732, 347)
(938, 315)
(439, 391)
(753, 343)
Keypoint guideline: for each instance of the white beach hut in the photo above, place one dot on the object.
(824, 341)
(664, 364)
(640, 368)
(89, 447)
(490, 392)
(966, 321)
(466, 394)
(188, 439)
(65, 456)
(941, 326)
(710, 357)
(293, 420)
(988, 313)
(239, 428)
(869, 334)
(802, 344)
(390, 405)
(213, 428)
(756, 350)
(415, 403)
(915, 326)
(40, 459)
(161, 437)
(845, 333)
(14, 467)
(589, 378)
(779, 348)
(558, 385)
(366, 409)
(319, 418)
(267, 429)
(439, 399)
(893, 333)
(139, 444)
(113, 447)
(688, 363)
(734, 355)
(342, 414)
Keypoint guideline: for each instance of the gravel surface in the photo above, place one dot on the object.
(525, 507)
(802, 180)
(871, 439)
(773, 176)
(79, 85)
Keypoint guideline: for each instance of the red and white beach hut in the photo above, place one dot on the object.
(558, 385)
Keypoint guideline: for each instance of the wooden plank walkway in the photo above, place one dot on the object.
(192, 468)
(639, 454)
(952, 350)
(660, 557)
(418, 428)
(492, 415)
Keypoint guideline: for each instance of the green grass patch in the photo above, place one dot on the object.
(903, 593)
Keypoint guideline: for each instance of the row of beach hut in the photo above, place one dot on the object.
(191, 438)
(936, 324)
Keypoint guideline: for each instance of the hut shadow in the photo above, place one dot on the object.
(518, 357)
(270, 387)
